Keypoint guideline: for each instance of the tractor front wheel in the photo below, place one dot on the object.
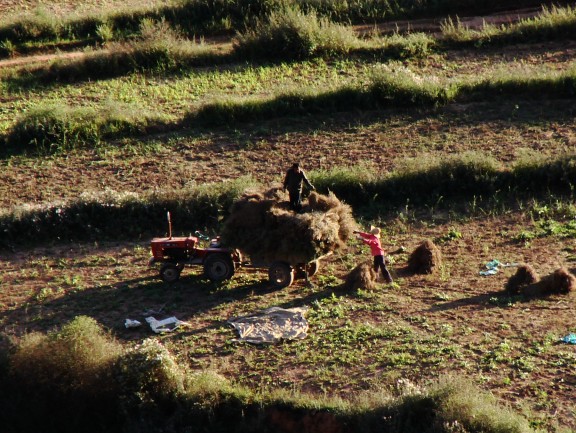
(281, 274)
(170, 272)
(218, 267)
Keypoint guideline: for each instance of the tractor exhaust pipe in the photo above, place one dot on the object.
(169, 225)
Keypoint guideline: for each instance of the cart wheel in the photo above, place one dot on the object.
(312, 268)
(170, 272)
(281, 274)
(218, 267)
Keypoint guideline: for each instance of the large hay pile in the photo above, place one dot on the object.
(262, 225)
(362, 277)
(425, 259)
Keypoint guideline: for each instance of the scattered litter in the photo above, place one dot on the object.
(493, 267)
(401, 249)
(271, 325)
(132, 323)
(153, 311)
(166, 325)
(492, 271)
(570, 338)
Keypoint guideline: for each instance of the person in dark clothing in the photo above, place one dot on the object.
(293, 181)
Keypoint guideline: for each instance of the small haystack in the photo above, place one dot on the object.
(563, 281)
(362, 277)
(262, 225)
(524, 276)
(425, 259)
(560, 281)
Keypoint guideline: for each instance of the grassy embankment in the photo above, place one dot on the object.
(81, 378)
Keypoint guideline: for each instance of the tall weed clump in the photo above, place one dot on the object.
(58, 128)
(397, 86)
(412, 45)
(354, 185)
(538, 174)
(553, 23)
(461, 404)
(148, 373)
(161, 48)
(76, 357)
(290, 34)
(451, 405)
(426, 180)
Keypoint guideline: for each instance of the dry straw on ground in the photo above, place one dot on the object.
(362, 277)
(262, 225)
(425, 259)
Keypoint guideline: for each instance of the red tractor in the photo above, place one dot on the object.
(173, 253)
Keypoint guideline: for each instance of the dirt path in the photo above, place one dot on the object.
(433, 25)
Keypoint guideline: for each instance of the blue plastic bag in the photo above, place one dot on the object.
(570, 338)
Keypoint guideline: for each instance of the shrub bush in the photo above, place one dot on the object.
(395, 85)
(291, 35)
(148, 374)
(77, 357)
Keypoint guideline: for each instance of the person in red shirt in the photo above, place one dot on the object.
(372, 239)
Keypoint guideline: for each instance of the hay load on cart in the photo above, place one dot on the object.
(262, 226)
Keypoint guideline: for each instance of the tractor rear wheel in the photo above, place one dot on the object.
(218, 267)
(170, 272)
(281, 274)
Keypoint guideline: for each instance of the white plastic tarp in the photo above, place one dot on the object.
(271, 325)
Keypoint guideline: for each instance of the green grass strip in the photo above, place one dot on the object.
(59, 128)
(54, 129)
(466, 179)
(389, 89)
(553, 23)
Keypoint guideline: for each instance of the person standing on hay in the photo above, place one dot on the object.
(372, 239)
(293, 181)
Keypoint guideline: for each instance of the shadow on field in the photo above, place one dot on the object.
(133, 299)
(483, 301)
